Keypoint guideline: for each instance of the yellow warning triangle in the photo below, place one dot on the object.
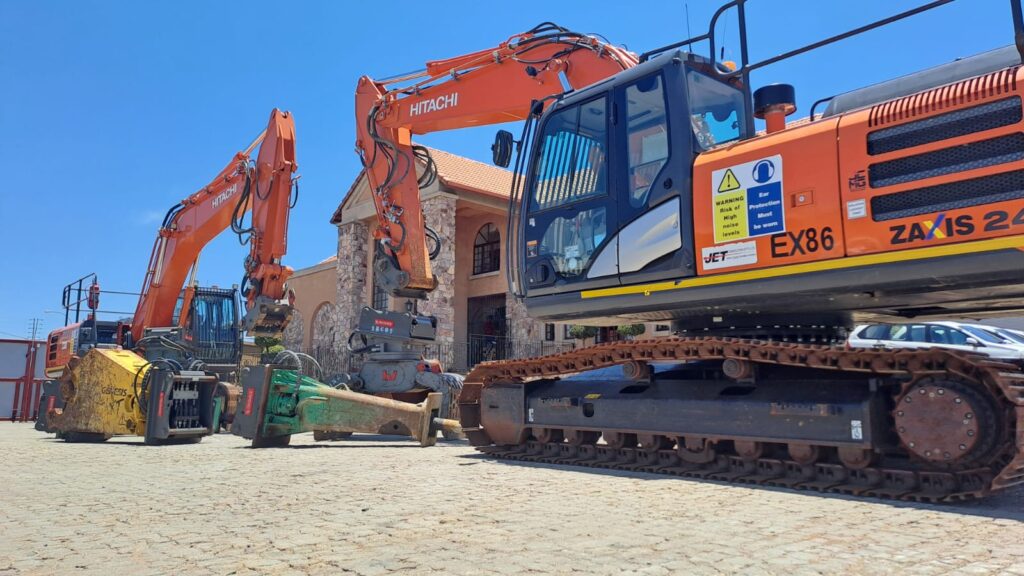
(729, 182)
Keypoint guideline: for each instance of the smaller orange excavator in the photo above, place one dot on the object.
(160, 374)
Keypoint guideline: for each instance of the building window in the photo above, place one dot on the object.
(486, 250)
(662, 327)
(566, 329)
(549, 332)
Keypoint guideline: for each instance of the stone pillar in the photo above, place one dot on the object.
(353, 271)
(439, 213)
(295, 332)
(527, 335)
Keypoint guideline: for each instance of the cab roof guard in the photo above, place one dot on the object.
(746, 67)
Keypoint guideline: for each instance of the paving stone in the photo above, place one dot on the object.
(374, 505)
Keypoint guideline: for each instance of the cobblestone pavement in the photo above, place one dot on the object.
(372, 506)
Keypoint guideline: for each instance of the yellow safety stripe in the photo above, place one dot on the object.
(805, 267)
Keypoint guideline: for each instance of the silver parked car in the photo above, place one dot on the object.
(944, 334)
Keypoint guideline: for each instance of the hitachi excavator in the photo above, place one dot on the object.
(642, 192)
(159, 375)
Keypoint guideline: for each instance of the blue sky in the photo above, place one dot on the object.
(110, 112)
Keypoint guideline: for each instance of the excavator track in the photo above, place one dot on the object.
(964, 402)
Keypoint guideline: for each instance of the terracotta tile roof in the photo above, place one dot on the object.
(463, 173)
(455, 172)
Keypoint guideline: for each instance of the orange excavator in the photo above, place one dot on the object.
(643, 192)
(160, 374)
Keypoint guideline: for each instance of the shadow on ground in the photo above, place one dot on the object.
(1008, 504)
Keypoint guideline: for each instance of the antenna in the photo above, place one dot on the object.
(687, 6)
(725, 38)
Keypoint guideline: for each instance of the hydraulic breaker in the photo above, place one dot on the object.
(277, 402)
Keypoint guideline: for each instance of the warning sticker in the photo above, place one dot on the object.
(729, 255)
(729, 182)
(730, 216)
(748, 200)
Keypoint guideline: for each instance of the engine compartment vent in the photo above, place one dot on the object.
(980, 154)
(952, 196)
(1005, 112)
(963, 92)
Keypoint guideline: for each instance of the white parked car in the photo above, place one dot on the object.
(1015, 337)
(944, 334)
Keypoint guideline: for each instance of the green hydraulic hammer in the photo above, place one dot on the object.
(277, 402)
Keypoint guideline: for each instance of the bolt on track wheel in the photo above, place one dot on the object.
(545, 435)
(619, 440)
(695, 450)
(581, 437)
(804, 454)
(946, 422)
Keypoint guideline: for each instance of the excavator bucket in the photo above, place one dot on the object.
(277, 402)
(267, 318)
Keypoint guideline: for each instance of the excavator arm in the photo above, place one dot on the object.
(263, 188)
(491, 86)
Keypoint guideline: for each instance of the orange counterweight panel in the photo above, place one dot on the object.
(769, 201)
(60, 347)
(937, 167)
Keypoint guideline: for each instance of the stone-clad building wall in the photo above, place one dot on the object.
(439, 214)
(294, 332)
(521, 327)
(327, 333)
(353, 262)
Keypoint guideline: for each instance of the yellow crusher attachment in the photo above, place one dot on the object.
(114, 392)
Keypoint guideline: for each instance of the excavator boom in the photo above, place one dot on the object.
(176, 375)
(485, 87)
(264, 188)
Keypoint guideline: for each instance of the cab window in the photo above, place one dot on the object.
(716, 110)
(647, 135)
(572, 242)
(573, 156)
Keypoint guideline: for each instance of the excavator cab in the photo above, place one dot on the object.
(607, 188)
(649, 196)
(210, 331)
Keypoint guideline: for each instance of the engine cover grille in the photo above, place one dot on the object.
(1001, 150)
(952, 196)
(945, 126)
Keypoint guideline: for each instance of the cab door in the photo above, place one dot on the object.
(654, 234)
(569, 222)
